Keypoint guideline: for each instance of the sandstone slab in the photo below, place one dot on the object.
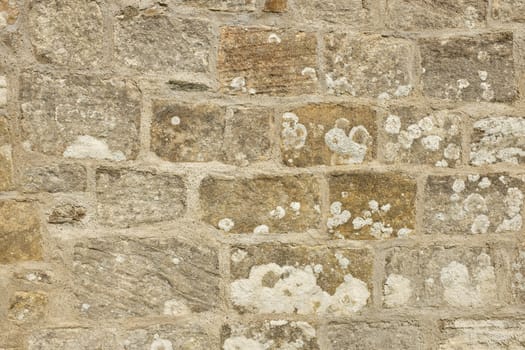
(221, 5)
(54, 178)
(27, 306)
(8, 12)
(6, 159)
(509, 10)
(72, 339)
(352, 13)
(276, 6)
(516, 261)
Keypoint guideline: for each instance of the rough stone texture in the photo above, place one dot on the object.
(28, 306)
(371, 205)
(473, 204)
(8, 13)
(68, 32)
(498, 139)
(54, 178)
(129, 197)
(509, 10)
(6, 165)
(440, 276)
(420, 136)
(270, 278)
(293, 204)
(157, 42)
(353, 13)
(221, 5)
(425, 15)
(469, 68)
(376, 335)
(368, 65)
(497, 334)
(276, 6)
(72, 339)
(328, 134)
(131, 277)
(20, 238)
(270, 334)
(79, 116)
(255, 60)
(516, 260)
(206, 132)
(66, 213)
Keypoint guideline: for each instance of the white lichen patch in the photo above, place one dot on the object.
(161, 344)
(397, 290)
(309, 72)
(392, 124)
(86, 146)
(278, 213)
(3, 91)
(274, 39)
(238, 84)
(175, 120)
(241, 343)
(293, 134)
(339, 216)
(239, 255)
(226, 224)
(296, 291)
(261, 229)
(352, 147)
(295, 207)
(176, 307)
(374, 218)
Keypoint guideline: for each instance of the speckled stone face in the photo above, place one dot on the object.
(6, 166)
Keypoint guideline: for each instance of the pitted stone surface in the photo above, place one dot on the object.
(6, 157)
(8, 13)
(351, 13)
(509, 10)
(28, 306)
(54, 178)
(72, 338)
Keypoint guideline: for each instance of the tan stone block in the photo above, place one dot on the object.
(9, 11)
(473, 204)
(267, 61)
(6, 161)
(273, 278)
(67, 213)
(263, 204)
(420, 136)
(515, 258)
(28, 306)
(371, 205)
(328, 134)
(54, 178)
(20, 238)
(222, 5)
(469, 68)
(482, 334)
(509, 10)
(276, 6)
(368, 65)
(72, 338)
(351, 13)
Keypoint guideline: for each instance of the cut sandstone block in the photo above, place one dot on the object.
(28, 306)
(270, 278)
(54, 178)
(509, 10)
(72, 338)
(351, 13)
(221, 5)
(8, 13)
(6, 160)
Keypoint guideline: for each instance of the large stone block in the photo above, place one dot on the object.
(28, 306)
(54, 178)
(275, 204)
(352, 13)
(473, 204)
(371, 205)
(469, 68)
(221, 5)
(67, 32)
(420, 136)
(516, 261)
(129, 197)
(271, 278)
(20, 238)
(72, 338)
(440, 276)
(328, 134)
(130, 277)
(509, 10)
(79, 116)
(263, 60)
(368, 65)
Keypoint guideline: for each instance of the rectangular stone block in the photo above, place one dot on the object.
(371, 205)
(328, 134)
(368, 65)
(498, 139)
(496, 334)
(473, 204)
(276, 6)
(376, 335)
(6, 159)
(54, 178)
(515, 258)
(80, 116)
(27, 306)
(267, 61)
(155, 41)
(129, 197)
(420, 136)
(278, 278)
(469, 68)
(352, 13)
(20, 238)
(221, 5)
(275, 204)
(117, 277)
(270, 334)
(207, 132)
(509, 10)
(424, 15)
(441, 276)
(72, 339)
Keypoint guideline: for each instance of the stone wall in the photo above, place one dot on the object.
(250, 174)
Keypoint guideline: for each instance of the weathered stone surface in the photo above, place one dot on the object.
(28, 306)
(439, 276)
(20, 238)
(3, 88)
(221, 5)
(495, 334)
(271, 335)
(354, 13)
(6, 160)
(154, 41)
(420, 136)
(498, 139)
(473, 204)
(276, 6)
(54, 178)
(272, 278)
(8, 12)
(376, 335)
(516, 260)
(469, 68)
(368, 65)
(328, 134)
(67, 32)
(371, 205)
(80, 116)
(129, 277)
(206, 132)
(421, 14)
(509, 10)
(263, 60)
(67, 213)
(188, 336)
(72, 339)
(128, 197)
(276, 204)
